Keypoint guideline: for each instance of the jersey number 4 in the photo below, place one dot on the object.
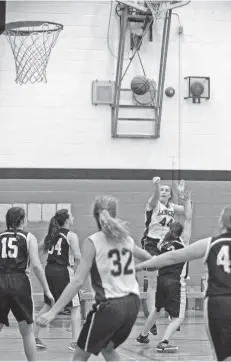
(223, 258)
(119, 267)
(9, 249)
(57, 247)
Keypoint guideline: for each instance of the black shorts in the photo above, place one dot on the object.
(150, 245)
(58, 277)
(219, 324)
(109, 321)
(15, 296)
(171, 295)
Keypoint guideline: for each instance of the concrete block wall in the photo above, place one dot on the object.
(74, 133)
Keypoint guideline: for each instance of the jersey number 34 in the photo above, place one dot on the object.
(121, 262)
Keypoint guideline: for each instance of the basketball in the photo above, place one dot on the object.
(170, 91)
(140, 85)
(197, 89)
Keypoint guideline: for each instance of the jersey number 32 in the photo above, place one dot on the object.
(121, 262)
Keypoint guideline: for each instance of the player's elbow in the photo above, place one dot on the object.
(37, 268)
(79, 283)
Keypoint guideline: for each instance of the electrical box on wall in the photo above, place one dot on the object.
(103, 92)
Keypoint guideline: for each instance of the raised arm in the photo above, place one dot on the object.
(186, 235)
(180, 209)
(153, 201)
(194, 251)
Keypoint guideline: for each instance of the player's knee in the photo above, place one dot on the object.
(109, 348)
(80, 354)
(25, 328)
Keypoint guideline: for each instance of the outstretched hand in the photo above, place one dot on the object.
(44, 319)
(181, 187)
(187, 194)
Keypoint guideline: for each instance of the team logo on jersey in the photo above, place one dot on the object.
(166, 212)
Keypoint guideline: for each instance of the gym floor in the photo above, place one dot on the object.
(191, 339)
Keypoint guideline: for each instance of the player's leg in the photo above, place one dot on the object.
(5, 300)
(159, 303)
(110, 354)
(39, 343)
(81, 355)
(150, 245)
(22, 309)
(29, 344)
(51, 277)
(129, 307)
(102, 327)
(75, 326)
(218, 325)
(175, 305)
(74, 305)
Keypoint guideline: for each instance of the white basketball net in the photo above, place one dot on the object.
(158, 10)
(32, 51)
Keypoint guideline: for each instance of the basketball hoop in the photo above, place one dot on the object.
(158, 10)
(31, 43)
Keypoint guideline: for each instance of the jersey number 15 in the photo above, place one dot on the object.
(9, 249)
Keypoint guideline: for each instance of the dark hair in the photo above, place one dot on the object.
(105, 209)
(14, 218)
(56, 223)
(174, 233)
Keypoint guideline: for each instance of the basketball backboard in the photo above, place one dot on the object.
(134, 5)
(2, 16)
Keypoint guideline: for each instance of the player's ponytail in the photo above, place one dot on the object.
(14, 219)
(105, 209)
(55, 224)
(113, 228)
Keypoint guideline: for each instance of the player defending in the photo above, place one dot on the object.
(108, 255)
(17, 249)
(171, 286)
(217, 256)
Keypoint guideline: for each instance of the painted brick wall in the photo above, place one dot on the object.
(209, 198)
(73, 133)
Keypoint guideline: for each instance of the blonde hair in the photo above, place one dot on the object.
(105, 209)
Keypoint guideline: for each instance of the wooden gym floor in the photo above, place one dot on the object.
(191, 340)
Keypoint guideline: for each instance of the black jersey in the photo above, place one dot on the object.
(14, 255)
(176, 271)
(217, 258)
(60, 252)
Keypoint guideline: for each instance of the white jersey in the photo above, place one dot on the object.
(158, 220)
(113, 270)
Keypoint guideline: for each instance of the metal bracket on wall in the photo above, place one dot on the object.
(155, 120)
